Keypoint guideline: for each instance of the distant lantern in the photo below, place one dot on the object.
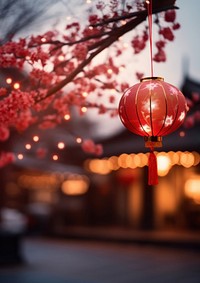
(152, 109)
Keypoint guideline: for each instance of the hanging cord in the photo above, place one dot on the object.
(152, 162)
(149, 10)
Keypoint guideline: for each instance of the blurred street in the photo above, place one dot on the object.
(69, 261)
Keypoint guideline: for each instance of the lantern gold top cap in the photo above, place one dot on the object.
(151, 79)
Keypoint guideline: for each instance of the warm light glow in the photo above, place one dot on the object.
(192, 189)
(20, 156)
(99, 166)
(61, 145)
(186, 159)
(165, 161)
(113, 163)
(16, 86)
(28, 146)
(109, 71)
(79, 140)
(164, 164)
(61, 58)
(43, 39)
(84, 109)
(125, 45)
(55, 157)
(36, 138)
(75, 185)
(122, 160)
(182, 134)
(41, 182)
(85, 94)
(67, 117)
(123, 22)
(9, 81)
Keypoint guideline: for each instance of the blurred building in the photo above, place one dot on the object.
(82, 191)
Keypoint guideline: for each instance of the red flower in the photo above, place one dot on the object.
(90, 147)
(6, 158)
(4, 133)
(139, 75)
(176, 26)
(170, 16)
(167, 33)
(160, 56)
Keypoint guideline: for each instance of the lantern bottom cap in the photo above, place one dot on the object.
(153, 141)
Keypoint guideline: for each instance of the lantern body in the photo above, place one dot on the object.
(152, 108)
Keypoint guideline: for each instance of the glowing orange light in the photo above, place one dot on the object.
(20, 156)
(28, 146)
(125, 45)
(79, 140)
(43, 39)
(61, 145)
(85, 94)
(67, 117)
(9, 81)
(182, 134)
(76, 185)
(84, 109)
(123, 22)
(109, 71)
(61, 58)
(55, 157)
(16, 86)
(36, 138)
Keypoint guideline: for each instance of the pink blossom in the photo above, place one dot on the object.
(189, 121)
(6, 158)
(195, 96)
(3, 91)
(90, 147)
(170, 16)
(4, 133)
(160, 56)
(93, 19)
(160, 44)
(112, 99)
(80, 51)
(138, 44)
(197, 116)
(167, 33)
(176, 26)
(139, 75)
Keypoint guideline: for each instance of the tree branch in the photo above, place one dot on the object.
(105, 43)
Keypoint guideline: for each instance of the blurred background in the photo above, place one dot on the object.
(80, 196)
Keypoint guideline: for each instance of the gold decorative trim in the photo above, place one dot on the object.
(153, 141)
(151, 79)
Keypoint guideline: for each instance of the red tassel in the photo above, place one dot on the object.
(153, 171)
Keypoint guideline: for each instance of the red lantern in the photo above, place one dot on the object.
(152, 108)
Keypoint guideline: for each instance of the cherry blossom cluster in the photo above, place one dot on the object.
(60, 72)
(6, 158)
(166, 34)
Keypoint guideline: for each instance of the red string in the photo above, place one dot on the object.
(149, 10)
